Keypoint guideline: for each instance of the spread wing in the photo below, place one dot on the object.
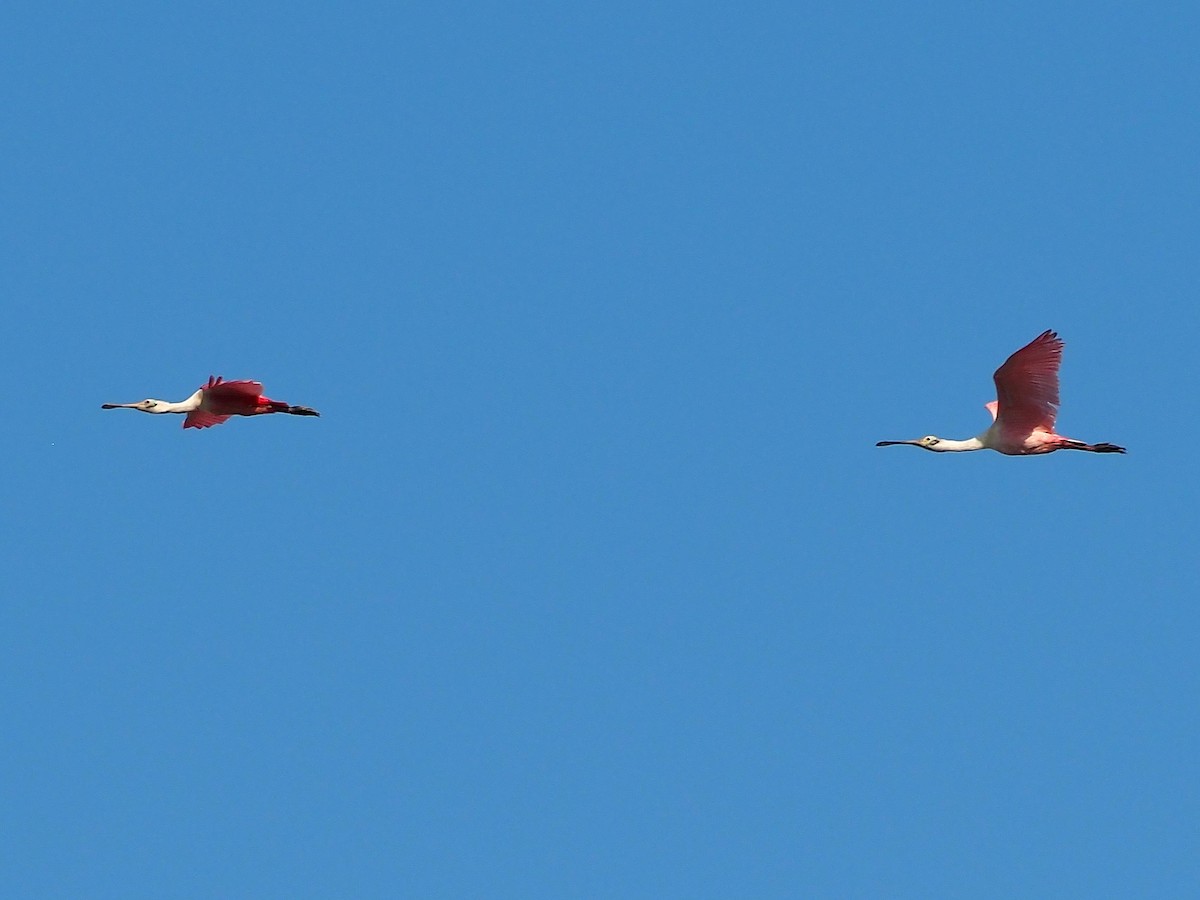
(243, 391)
(198, 418)
(1027, 386)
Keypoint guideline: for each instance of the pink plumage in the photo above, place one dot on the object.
(220, 399)
(1027, 387)
(198, 418)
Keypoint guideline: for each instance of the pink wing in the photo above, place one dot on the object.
(198, 418)
(1027, 386)
(243, 391)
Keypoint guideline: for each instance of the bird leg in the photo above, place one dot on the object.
(1092, 448)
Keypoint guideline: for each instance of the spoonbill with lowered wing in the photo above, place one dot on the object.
(217, 401)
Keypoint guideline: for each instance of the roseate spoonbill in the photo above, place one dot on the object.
(217, 401)
(1023, 413)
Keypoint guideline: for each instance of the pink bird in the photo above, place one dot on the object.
(1024, 411)
(217, 401)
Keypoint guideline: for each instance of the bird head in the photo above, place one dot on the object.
(150, 406)
(929, 442)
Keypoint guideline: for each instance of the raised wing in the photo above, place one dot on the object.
(1027, 386)
(198, 418)
(236, 391)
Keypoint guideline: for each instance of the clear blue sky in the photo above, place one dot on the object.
(590, 581)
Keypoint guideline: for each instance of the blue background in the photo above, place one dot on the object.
(590, 581)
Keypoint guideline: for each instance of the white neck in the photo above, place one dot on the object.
(947, 446)
(183, 406)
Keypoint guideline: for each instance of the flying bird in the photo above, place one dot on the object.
(217, 401)
(1024, 410)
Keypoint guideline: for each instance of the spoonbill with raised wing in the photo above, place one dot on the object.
(1024, 410)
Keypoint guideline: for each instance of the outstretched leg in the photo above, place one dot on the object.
(1069, 444)
(278, 406)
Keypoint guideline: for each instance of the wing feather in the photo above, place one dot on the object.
(220, 389)
(198, 418)
(1027, 386)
